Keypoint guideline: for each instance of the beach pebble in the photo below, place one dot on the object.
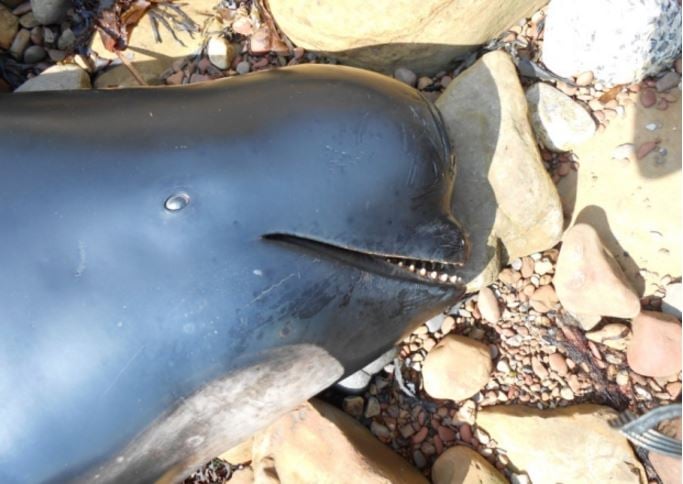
(406, 76)
(220, 52)
(655, 348)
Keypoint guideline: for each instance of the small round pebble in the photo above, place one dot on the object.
(34, 54)
(465, 432)
(558, 364)
(423, 83)
(503, 366)
(406, 76)
(488, 305)
(585, 79)
(243, 67)
(668, 81)
(419, 459)
(622, 378)
(648, 98)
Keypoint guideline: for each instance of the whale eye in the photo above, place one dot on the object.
(177, 202)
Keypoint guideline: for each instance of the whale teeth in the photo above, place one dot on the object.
(427, 269)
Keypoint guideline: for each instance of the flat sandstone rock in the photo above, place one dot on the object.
(57, 78)
(317, 443)
(462, 465)
(502, 190)
(382, 35)
(569, 445)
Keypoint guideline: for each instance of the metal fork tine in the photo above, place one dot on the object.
(656, 441)
(664, 442)
(640, 429)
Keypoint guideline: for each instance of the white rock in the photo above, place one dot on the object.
(434, 324)
(220, 52)
(406, 76)
(619, 41)
(673, 300)
(559, 122)
(58, 78)
(503, 366)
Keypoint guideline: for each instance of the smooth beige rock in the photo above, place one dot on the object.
(488, 305)
(589, 281)
(120, 76)
(58, 78)
(614, 335)
(456, 368)
(242, 476)
(462, 465)
(587, 321)
(544, 299)
(668, 468)
(317, 443)
(550, 448)
(239, 454)
(502, 189)
(424, 36)
(560, 123)
(9, 24)
(150, 58)
(634, 205)
(655, 347)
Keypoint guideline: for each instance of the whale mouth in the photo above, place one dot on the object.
(387, 265)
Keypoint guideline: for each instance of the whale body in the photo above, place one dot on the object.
(180, 266)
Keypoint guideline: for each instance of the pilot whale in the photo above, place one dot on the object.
(180, 266)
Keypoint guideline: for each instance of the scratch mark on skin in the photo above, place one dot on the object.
(412, 173)
(266, 291)
(122, 371)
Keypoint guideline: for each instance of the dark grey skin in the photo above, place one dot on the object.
(141, 336)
